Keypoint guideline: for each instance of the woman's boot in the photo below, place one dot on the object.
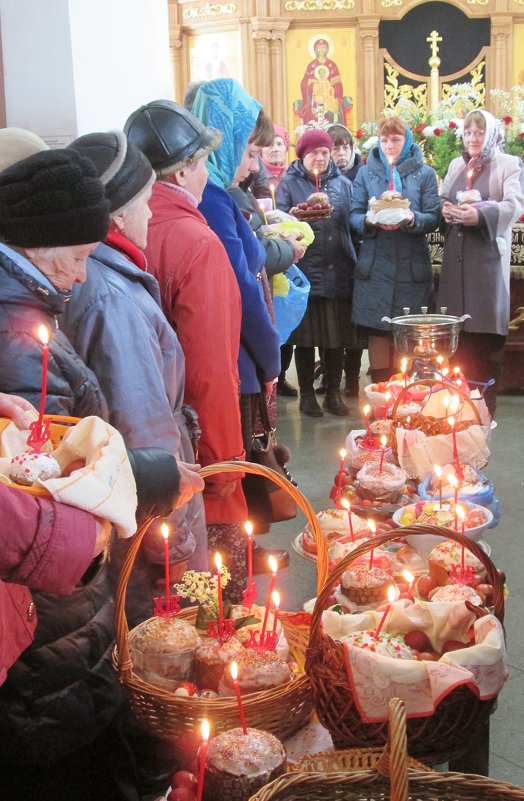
(352, 361)
(333, 362)
(305, 364)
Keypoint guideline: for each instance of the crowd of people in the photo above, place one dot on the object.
(143, 251)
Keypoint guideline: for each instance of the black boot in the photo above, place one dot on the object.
(305, 364)
(333, 360)
(352, 360)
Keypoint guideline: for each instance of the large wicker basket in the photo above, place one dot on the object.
(280, 711)
(392, 777)
(442, 736)
(59, 426)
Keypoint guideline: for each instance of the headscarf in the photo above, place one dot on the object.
(225, 105)
(406, 151)
(282, 132)
(491, 136)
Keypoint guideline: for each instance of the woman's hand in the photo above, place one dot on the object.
(190, 482)
(447, 211)
(467, 214)
(21, 412)
(298, 249)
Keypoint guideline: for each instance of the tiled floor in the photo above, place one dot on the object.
(315, 444)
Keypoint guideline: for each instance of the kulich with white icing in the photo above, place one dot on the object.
(456, 592)
(385, 644)
(257, 670)
(366, 586)
(211, 658)
(29, 468)
(163, 635)
(238, 754)
(447, 555)
(334, 525)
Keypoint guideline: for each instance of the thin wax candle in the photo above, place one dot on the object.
(202, 753)
(43, 334)
(373, 529)
(234, 675)
(347, 506)
(218, 563)
(272, 190)
(392, 594)
(165, 533)
(273, 566)
(391, 184)
(315, 172)
(342, 454)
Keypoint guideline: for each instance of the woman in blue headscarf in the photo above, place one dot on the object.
(223, 104)
(394, 267)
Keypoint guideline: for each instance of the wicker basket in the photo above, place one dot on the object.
(280, 711)
(390, 777)
(434, 739)
(59, 426)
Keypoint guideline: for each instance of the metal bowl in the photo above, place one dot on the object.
(426, 336)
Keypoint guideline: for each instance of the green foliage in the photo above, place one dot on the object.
(441, 149)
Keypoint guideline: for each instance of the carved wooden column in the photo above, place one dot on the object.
(277, 76)
(370, 82)
(501, 70)
(261, 34)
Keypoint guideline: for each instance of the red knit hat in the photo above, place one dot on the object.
(316, 137)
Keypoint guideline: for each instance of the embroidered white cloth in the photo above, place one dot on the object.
(105, 486)
(417, 453)
(375, 679)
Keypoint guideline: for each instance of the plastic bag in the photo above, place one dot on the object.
(290, 297)
(485, 496)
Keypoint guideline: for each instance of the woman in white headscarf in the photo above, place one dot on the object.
(482, 197)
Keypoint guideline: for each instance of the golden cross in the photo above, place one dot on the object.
(433, 38)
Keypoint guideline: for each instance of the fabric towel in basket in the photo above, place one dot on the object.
(105, 486)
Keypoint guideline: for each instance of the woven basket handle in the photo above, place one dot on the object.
(431, 382)
(393, 762)
(398, 534)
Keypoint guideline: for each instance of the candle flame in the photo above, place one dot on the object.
(440, 359)
(205, 730)
(367, 410)
(276, 599)
(345, 504)
(218, 561)
(451, 421)
(470, 174)
(438, 470)
(43, 334)
(372, 526)
(234, 670)
(273, 565)
(342, 453)
(455, 403)
(408, 419)
(383, 440)
(410, 578)
(456, 370)
(452, 479)
(445, 401)
(445, 371)
(404, 365)
(249, 528)
(165, 530)
(390, 160)
(315, 171)
(271, 187)
(460, 512)
(392, 593)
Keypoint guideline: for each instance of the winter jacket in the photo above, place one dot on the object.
(117, 326)
(44, 546)
(475, 272)
(351, 172)
(279, 254)
(259, 356)
(25, 304)
(329, 261)
(201, 299)
(394, 267)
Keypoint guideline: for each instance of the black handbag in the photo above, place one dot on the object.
(268, 503)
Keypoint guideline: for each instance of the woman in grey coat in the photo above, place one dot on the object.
(477, 247)
(393, 267)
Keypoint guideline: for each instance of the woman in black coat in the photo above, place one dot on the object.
(329, 263)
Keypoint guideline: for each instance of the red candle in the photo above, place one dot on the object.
(272, 190)
(43, 333)
(470, 176)
(165, 533)
(202, 751)
(438, 472)
(383, 442)
(403, 368)
(367, 410)
(452, 424)
(454, 483)
(273, 567)
(391, 185)
(342, 454)
(218, 563)
(315, 171)
(276, 606)
(234, 676)
(345, 503)
(373, 529)
(410, 578)
(392, 594)
(249, 531)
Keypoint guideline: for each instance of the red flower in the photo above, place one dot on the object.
(438, 131)
(359, 134)
(452, 125)
(507, 120)
(521, 135)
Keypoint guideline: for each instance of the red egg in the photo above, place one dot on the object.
(429, 656)
(182, 794)
(453, 645)
(417, 640)
(424, 586)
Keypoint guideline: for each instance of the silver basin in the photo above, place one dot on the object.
(426, 336)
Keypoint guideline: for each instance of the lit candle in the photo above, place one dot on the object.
(470, 176)
(410, 578)
(276, 606)
(452, 424)
(392, 594)
(373, 529)
(315, 172)
(404, 368)
(366, 411)
(218, 563)
(234, 675)
(445, 372)
(249, 531)
(383, 442)
(43, 333)
(347, 506)
(391, 184)
(462, 515)
(202, 752)
(272, 190)
(165, 533)
(387, 398)
(263, 213)
(273, 566)
(342, 454)
(438, 472)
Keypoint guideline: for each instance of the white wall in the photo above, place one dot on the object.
(75, 66)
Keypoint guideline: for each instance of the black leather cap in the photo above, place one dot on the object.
(169, 135)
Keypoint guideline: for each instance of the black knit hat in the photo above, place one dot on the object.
(121, 166)
(52, 199)
(170, 136)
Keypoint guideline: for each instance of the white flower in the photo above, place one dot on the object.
(369, 143)
(429, 130)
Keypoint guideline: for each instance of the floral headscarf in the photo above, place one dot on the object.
(225, 105)
(492, 130)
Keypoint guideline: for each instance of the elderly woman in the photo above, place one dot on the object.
(394, 266)
(328, 263)
(476, 262)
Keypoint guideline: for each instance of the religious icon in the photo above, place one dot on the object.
(321, 87)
